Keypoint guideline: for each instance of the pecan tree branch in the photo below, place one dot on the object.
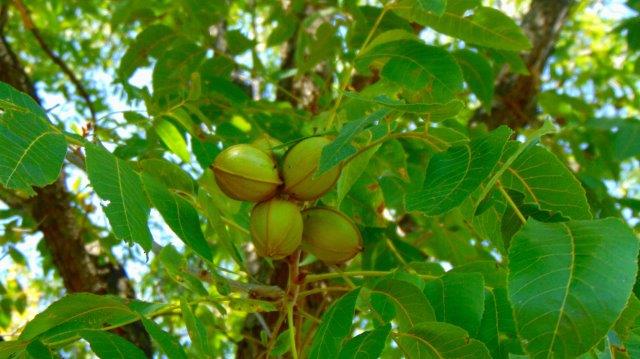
(29, 25)
(516, 95)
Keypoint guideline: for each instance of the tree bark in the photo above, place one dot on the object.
(59, 221)
(515, 99)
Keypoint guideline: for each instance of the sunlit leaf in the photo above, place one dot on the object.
(31, 150)
(410, 9)
(179, 214)
(547, 183)
(452, 175)
(111, 346)
(335, 326)
(478, 74)
(440, 340)
(171, 137)
(151, 41)
(76, 312)
(457, 298)
(117, 184)
(568, 283)
(367, 345)
(485, 27)
(195, 328)
(417, 66)
(170, 345)
(341, 148)
(392, 298)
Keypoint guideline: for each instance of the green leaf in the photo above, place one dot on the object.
(627, 320)
(368, 345)
(335, 326)
(215, 215)
(454, 174)
(175, 264)
(512, 150)
(179, 214)
(625, 141)
(478, 74)
(493, 273)
(172, 73)
(440, 340)
(166, 341)
(238, 42)
(13, 348)
(16, 256)
(547, 183)
(485, 27)
(457, 298)
(416, 66)
(413, 9)
(430, 111)
(114, 181)
(78, 311)
(498, 329)
(565, 106)
(341, 148)
(37, 350)
(568, 283)
(282, 344)
(460, 6)
(352, 172)
(511, 223)
(182, 115)
(404, 301)
(169, 174)
(511, 58)
(195, 328)
(388, 37)
(111, 346)
(173, 139)
(151, 41)
(286, 28)
(31, 150)
(318, 48)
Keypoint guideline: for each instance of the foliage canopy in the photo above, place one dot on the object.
(490, 227)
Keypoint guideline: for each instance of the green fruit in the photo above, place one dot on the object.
(266, 143)
(245, 173)
(330, 235)
(276, 228)
(299, 168)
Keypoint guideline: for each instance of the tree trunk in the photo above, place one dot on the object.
(515, 100)
(59, 222)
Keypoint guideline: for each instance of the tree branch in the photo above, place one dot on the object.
(29, 25)
(516, 95)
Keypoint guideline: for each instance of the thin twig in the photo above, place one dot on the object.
(292, 331)
(324, 276)
(323, 290)
(29, 25)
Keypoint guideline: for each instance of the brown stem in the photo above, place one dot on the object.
(516, 94)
